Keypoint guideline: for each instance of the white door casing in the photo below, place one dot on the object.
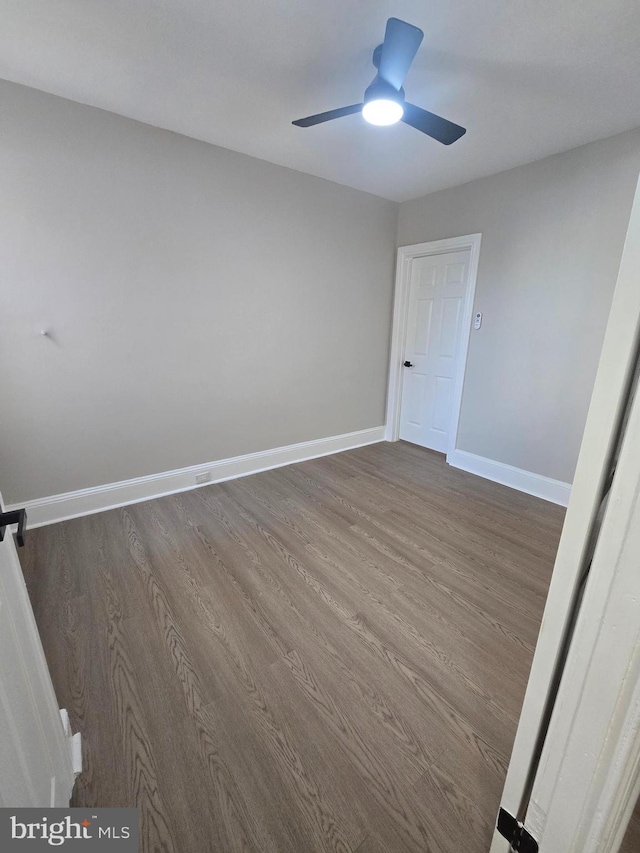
(454, 366)
(35, 761)
(589, 775)
(437, 290)
(586, 788)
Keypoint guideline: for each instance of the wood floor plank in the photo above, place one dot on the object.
(295, 809)
(330, 592)
(451, 823)
(381, 780)
(631, 840)
(291, 603)
(441, 646)
(308, 659)
(310, 625)
(220, 625)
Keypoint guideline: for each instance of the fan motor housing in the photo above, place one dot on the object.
(380, 89)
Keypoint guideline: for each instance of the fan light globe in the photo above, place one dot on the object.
(382, 111)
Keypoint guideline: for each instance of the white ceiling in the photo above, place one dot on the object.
(528, 78)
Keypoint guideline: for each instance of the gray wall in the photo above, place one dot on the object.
(202, 304)
(552, 237)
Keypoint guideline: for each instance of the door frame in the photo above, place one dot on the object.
(588, 779)
(406, 256)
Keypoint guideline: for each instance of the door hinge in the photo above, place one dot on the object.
(515, 833)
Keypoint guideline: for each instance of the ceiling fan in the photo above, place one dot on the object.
(384, 101)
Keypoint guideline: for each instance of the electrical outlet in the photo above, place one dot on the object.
(203, 478)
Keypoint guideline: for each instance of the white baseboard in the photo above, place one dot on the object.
(524, 481)
(63, 507)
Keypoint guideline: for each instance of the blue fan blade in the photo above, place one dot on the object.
(309, 121)
(437, 128)
(401, 43)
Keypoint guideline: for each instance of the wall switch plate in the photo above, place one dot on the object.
(477, 320)
(203, 478)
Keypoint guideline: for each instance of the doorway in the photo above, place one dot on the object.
(435, 289)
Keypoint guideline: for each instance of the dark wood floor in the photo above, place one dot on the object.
(329, 656)
(631, 840)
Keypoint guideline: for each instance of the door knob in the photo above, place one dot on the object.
(407, 364)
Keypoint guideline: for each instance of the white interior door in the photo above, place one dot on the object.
(437, 291)
(35, 762)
